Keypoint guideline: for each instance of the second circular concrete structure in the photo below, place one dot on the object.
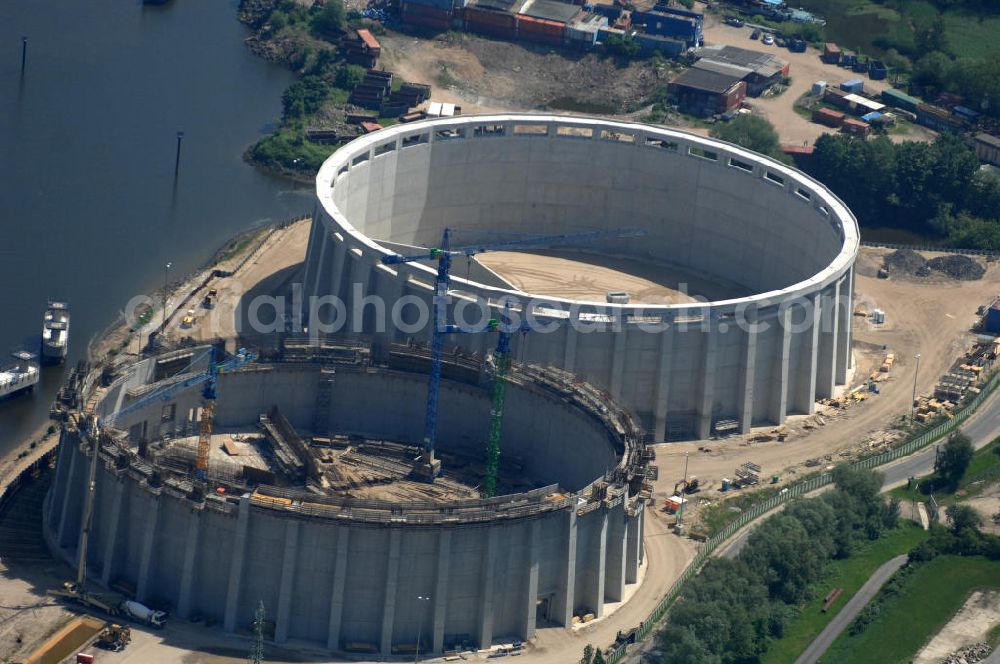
(771, 339)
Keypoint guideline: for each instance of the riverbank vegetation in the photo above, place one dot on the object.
(734, 609)
(308, 41)
(934, 189)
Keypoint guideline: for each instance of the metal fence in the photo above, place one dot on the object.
(988, 253)
(794, 491)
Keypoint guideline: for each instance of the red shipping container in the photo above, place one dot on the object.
(84, 658)
(496, 24)
(540, 30)
(828, 117)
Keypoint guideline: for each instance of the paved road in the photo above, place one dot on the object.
(850, 610)
(982, 428)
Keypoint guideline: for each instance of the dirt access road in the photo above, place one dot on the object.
(806, 69)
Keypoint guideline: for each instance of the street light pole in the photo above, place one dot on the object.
(166, 280)
(421, 598)
(680, 512)
(913, 402)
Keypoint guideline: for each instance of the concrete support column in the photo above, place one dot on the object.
(531, 591)
(487, 591)
(62, 468)
(826, 370)
(361, 274)
(315, 269)
(148, 549)
(617, 550)
(662, 392)
(633, 546)
(337, 594)
(397, 290)
(598, 565)
(642, 535)
(389, 596)
(236, 567)
(748, 372)
(310, 277)
(569, 353)
(441, 590)
(184, 607)
(805, 381)
(563, 600)
(844, 332)
(111, 536)
(287, 580)
(706, 404)
(74, 453)
(337, 266)
(779, 389)
(618, 362)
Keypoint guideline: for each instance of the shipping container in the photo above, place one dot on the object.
(855, 85)
(818, 88)
(938, 118)
(828, 117)
(495, 24)
(835, 96)
(447, 5)
(540, 30)
(993, 319)
(426, 16)
(856, 127)
(603, 34)
(665, 45)
(877, 71)
(831, 54)
(900, 100)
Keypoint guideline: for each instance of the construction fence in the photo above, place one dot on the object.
(794, 491)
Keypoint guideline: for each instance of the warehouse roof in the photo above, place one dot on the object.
(763, 64)
(989, 140)
(551, 10)
(706, 81)
(723, 68)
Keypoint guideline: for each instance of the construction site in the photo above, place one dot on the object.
(496, 489)
(304, 496)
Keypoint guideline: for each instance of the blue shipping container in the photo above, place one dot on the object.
(651, 43)
(993, 320)
(670, 26)
(853, 85)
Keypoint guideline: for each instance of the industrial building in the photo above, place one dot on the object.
(758, 70)
(987, 148)
(706, 92)
(306, 503)
(770, 240)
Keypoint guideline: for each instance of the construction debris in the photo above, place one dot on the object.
(904, 261)
(957, 266)
(977, 652)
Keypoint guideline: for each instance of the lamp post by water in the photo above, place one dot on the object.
(166, 280)
(420, 598)
(680, 511)
(177, 157)
(24, 54)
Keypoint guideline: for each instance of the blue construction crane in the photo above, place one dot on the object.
(427, 467)
(209, 379)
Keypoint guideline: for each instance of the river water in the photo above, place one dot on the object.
(89, 209)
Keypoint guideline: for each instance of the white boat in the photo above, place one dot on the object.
(18, 376)
(55, 333)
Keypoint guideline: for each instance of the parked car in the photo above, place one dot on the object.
(755, 34)
(768, 39)
(780, 41)
(735, 22)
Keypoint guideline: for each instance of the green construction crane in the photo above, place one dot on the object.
(501, 360)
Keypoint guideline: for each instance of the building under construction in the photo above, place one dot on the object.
(306, 502)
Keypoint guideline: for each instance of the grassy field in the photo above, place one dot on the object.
(983, 471)
(858, 24)
(929, 598)
(849, 574)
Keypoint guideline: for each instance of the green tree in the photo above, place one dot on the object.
(349, 76)
(932, 37)
(680, 645)
(752, 132)
(953, 459)
(329, 21)
(588, 654)
(964, 517)
(304, 97)
(598, 657)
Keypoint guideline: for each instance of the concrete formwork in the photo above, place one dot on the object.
(706, 206)
(348, 574)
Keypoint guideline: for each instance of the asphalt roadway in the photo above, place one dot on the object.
(981, 428)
